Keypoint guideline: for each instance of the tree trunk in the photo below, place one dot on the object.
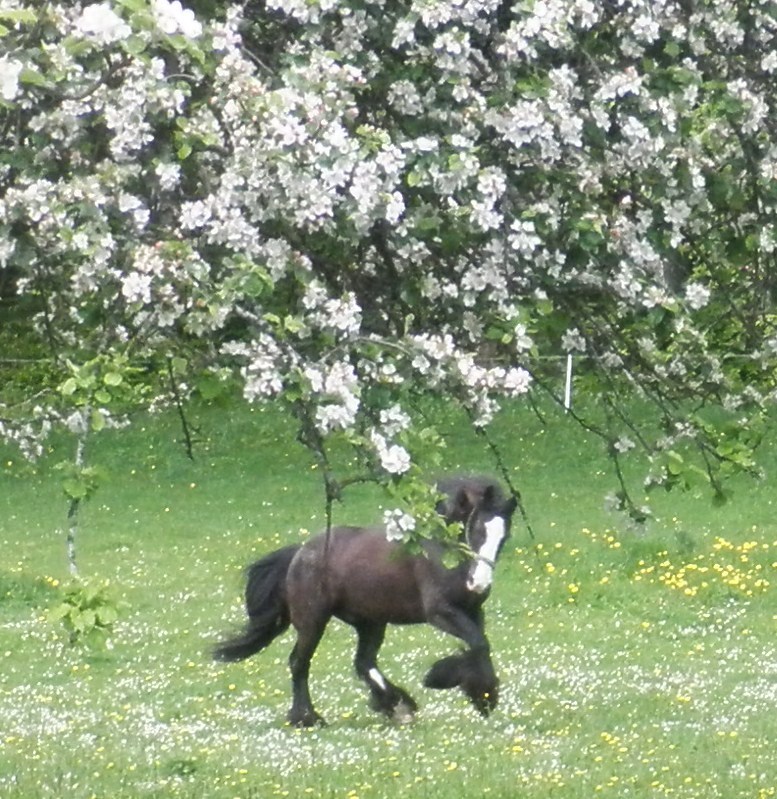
(75, 502)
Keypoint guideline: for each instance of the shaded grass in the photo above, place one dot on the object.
(617, 677)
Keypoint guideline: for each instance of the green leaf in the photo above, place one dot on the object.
(59, 612)
(106, 615)
(293, 324)
(672, 49)
(428, 223)
(675, 465)
(77, 47)
(451, 558)
(84, 620)
(134, 6)
(135, 45)
(69, 387)
(113, 379)
(32, 77)
(494, 333)
(254, 285)
(92, 592)
(98, 421)
(24, 16)
(74, 488)
(95, 637)
(545, 306)
(210, 387)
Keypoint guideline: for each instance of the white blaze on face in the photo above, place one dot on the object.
(483, 572)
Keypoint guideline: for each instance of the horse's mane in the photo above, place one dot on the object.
(479, 484)
(479, 490)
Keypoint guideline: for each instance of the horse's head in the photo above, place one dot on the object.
(481, 507)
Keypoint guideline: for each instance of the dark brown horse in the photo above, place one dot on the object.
(356, 574)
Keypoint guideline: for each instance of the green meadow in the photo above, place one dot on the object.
(632, 664)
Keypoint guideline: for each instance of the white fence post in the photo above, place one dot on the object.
(568, 385)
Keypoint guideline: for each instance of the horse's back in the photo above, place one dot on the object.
(359, 576)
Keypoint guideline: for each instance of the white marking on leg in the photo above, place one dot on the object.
(377, 678)
(482, 574)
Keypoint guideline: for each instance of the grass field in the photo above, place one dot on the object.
(631, 666)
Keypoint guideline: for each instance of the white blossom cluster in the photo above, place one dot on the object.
(341, 316)
(265, 363)
(337, 386)
(10, 69)
(346, 201)
(99, 23)
(173, 18)
(394, 458)
(27, 436)
(398, 524)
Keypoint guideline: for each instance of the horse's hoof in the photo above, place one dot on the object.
(485, 702)
(404, 713)
(306, 720)
(446, 673)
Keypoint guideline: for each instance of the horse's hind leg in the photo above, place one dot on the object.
(302, 713)
(385, 697)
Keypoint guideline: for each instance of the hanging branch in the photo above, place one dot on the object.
(535, 409)
(187, 436)
(626, 503)
(495, 451)
(310, 437)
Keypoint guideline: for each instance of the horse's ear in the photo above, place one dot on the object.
(458, 505)
(466, 501)
(489, 497)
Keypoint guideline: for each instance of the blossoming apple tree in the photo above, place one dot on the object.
(351, 202)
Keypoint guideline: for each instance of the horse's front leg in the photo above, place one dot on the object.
(473, 670)
(385, 697)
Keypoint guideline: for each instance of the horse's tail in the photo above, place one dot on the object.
(268, 612)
